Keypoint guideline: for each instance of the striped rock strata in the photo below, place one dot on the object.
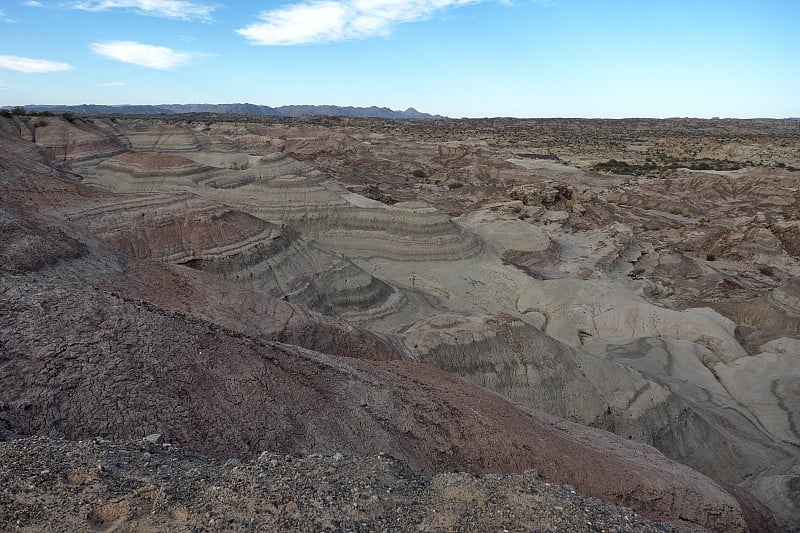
(86, 353)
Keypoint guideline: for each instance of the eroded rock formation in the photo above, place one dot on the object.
(226, 284)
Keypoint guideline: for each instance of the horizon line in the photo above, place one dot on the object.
(410, 108)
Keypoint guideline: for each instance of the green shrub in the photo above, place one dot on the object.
(418, 173)
(5, 113)
(767, 271)
(711, 257)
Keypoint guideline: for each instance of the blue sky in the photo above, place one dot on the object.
(475, 58)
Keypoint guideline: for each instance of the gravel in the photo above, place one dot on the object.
(148, 485)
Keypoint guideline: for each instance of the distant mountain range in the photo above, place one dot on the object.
(236, 109)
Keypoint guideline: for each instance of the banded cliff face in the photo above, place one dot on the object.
(218, 226)
(276, 187)
(181, 228)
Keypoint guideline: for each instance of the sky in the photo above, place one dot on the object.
(459, 58)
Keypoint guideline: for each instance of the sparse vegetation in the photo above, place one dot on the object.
(651, 169)
(711, 257)
(767, 270)
(621, 167)
(418, 173)
(456, 185)
(5, 113)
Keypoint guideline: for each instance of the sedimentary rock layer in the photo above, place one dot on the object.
(222, 393)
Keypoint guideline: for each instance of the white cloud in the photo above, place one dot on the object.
(32, 66)
(32, 3)
(322, 21)
(114, 84)
(176, 9)
(4, 17)
(144, 55)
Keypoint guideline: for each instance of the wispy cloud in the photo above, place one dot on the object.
(4, 17)
(144, 55)
(323, 21)
(32, 3)
(32, 66)
(175, 9)
(113, 84)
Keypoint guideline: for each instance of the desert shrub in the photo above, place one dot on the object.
(767, 271)
(711, 257)
(713, 164)
(19, 111)
(621, 167)
(650, 168)
(612, 165)
(5, 113)
(69, 117)
(418, 173)
(456, 185)
(40, 124)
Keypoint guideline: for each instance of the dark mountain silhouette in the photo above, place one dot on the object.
(237, 109)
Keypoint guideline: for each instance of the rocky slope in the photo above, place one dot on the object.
(149, 485)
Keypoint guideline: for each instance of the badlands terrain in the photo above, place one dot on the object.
(472, 313)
